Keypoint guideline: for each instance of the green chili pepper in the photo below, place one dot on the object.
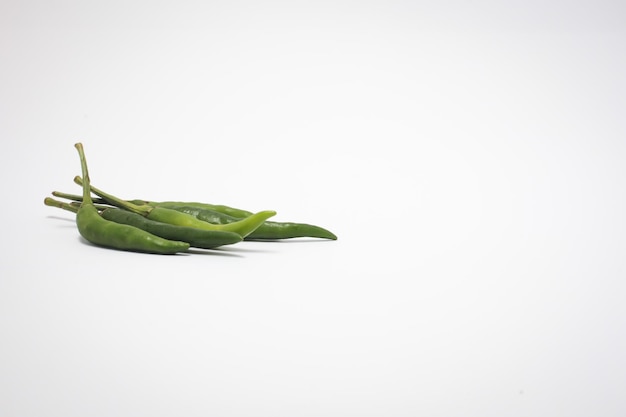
(105, 233)
(267, 231)
(197, 238)
(242, 227)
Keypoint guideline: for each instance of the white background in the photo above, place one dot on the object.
(470, 157)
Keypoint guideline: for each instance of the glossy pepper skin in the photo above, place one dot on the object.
(197, 238)
(105, 233)
(267, 231)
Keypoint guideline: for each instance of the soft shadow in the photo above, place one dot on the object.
(65, 219)
(211, 252)
(292, 240)
(247, 250)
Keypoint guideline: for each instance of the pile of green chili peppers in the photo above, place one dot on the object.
(169, 227)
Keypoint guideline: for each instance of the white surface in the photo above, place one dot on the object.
(470, 157)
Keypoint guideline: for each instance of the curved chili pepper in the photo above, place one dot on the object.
(102, 232)
(267, 231)
(243, 227)
(197, 238)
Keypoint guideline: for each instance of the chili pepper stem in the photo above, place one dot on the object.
(75, 200)
(56, 203)
(76, 197)
(110, 234)
(83, 164)
(144, 210)
(100, 207)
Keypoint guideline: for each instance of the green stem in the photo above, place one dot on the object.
(144, 210)
(76, 197)
(99, 207)
(83, 164)
(59, 204)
